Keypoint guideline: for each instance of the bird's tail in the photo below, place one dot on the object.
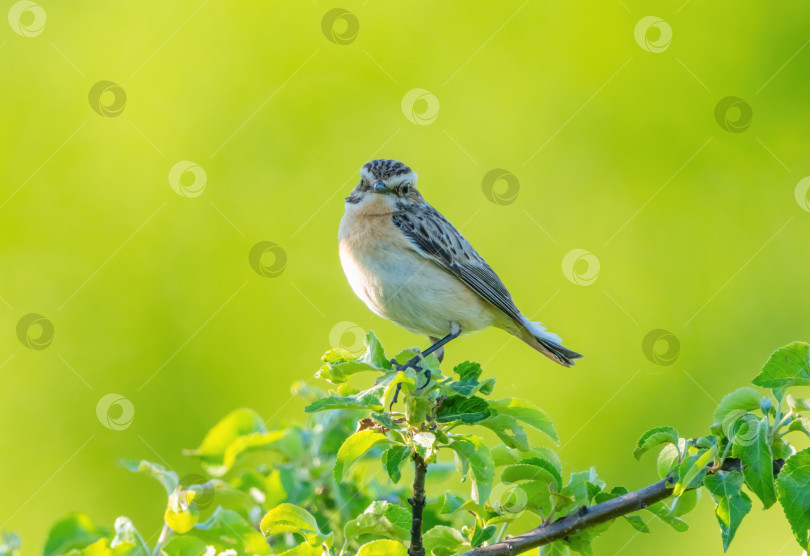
(550, 345)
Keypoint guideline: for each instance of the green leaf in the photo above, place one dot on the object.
(239, 422)
(450, 503)
(166, 478)
(386, 420)
(423, 443)
(367, 399)
(466, 410)
(355, 446)
(383, 548)
(340, 365)
(637, 522)
(127, 534)
(793, 487)
(578, 489)
(480, 536)
(787, 366)
(416, 408)
(668, 458)
(752, 446)
(798, 404)
(474, 455)
(662, 512)
(508, 430)
(801, 424)
(288, 518)
(655, 437)
(375, 354)
(9, 544)
(381, 518)
(75, 531)
(227, 530)
(341, 371)
(745, 399)
(692, 471)
(443, 537)
(732, 504)
(181, 515)
(529, 472)
(558, 548)
(392, 459)
(527, 413)
(183, 545)
(553, 467)
(468, 384)
(685, 503)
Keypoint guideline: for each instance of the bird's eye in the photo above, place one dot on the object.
(404, 188)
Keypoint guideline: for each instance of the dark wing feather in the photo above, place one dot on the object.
(433, 236)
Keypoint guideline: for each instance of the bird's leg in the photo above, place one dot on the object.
(396, 395)
(414, 362)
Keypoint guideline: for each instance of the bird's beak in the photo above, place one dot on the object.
(379, 187)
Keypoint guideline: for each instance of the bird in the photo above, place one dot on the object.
(410, 265)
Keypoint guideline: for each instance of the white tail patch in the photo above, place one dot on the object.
(540, 331)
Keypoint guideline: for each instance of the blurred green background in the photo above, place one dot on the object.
(697, 227)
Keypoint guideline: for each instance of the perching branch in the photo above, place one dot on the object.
(577, 521)
(585, 518)
(417, 504)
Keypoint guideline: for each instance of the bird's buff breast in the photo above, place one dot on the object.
(399, 284)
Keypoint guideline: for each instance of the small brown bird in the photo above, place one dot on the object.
(411, 266)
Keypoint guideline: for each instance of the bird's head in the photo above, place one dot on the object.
(385, 178)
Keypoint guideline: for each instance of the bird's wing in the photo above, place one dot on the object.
(435, 238)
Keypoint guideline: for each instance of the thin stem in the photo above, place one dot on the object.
(417, 505)
(165, 533)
